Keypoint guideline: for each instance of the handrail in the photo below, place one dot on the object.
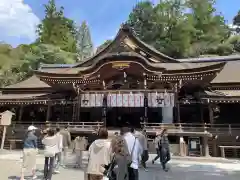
(203, 127)
(72, 125)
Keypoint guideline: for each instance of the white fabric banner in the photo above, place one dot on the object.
(161, 99)
(99, 100)
(125, 100)
(113, 100)
(131, 100)
(92, 100)
(85, 100)
(119, 100)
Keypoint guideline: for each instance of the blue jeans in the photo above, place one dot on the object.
(48, 168)
(158, 154)
(165, 157)
(58, 160)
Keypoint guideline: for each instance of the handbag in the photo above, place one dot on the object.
(108, 174)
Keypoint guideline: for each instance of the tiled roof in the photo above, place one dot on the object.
(32, 82)
(20, 96)
(229, 74)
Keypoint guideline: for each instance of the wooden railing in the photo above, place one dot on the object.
(218, 129)
(215, 129)
(71, 125)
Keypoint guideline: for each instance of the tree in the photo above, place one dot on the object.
(84, 42)
(210, 30)
(9, 63)
(181, 28)
(160, 25)
(104, 45)
(47, 54)
(142, 20)
(18, 63)
(236, 19)
(56, 29)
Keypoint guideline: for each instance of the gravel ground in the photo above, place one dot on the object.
(179, 170)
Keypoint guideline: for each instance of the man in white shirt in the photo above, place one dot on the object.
(135, 150)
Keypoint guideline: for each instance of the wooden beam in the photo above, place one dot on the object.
(20, 112)
(48, 111)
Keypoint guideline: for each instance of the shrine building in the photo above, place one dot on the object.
(131, 83)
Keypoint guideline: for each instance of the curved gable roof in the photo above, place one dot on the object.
(126, 33)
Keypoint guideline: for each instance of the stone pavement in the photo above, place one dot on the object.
(180, 169)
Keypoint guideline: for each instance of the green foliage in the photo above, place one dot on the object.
(9, 63)
(56, 29)
(104, 45)
(236, 19)
(84, 42)
(19, 63)
(181, 28)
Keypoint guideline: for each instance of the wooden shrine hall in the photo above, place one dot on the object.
(131, 83)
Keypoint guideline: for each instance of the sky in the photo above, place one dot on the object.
(19, 18)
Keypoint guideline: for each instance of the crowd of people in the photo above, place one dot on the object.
(110, 158)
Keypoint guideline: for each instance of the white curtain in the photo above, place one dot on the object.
(167, 114)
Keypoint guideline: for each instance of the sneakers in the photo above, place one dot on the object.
(63, 166)
(56, 172)
(145, 169)
(34, 177)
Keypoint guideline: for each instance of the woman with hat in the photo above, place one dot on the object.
(29, 152)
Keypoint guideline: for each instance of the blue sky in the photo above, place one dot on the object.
(103, 16)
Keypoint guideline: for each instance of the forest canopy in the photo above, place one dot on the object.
(179, 29)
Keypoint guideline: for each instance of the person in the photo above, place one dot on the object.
(165, 151)
(99, 155)
(51, 143)
(30, 150)
(92, 137)
(157, 146)
(66, 142)
(116, 134)
(121, 158)
(135, 150)
(143, 141)
(80, 144)
(58, 155)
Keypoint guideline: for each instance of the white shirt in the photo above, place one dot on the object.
(60, 145)
(136, 152)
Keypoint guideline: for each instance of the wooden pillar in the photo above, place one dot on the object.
(48, 111)
(177, 103)
(210, 110)
(145, 119)
(178, 113)
(205, 146)
(104, 110)
(78, 112)
(214, 147)
(20, 112)
(201, 106)
(3, 136)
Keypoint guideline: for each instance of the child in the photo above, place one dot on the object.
(80, 144)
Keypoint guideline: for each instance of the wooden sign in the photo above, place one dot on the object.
(6, 118)
(120, 65)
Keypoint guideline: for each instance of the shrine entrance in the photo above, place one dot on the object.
(118, 117)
